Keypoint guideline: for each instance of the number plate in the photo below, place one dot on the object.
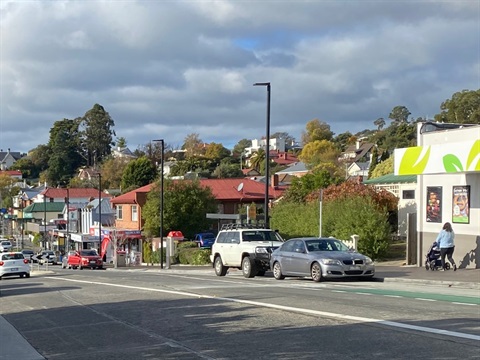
(92, 262)
(353, 267)
(14, 269)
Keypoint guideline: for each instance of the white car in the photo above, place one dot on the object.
(14, 264)
(5, 245)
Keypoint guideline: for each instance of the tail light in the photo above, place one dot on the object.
(1, 263)
(25, 261)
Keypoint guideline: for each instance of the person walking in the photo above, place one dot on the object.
(445, 242)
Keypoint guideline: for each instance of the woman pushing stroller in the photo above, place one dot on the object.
(445, 242)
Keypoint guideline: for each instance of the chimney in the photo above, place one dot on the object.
(357, 144)
(274, 181)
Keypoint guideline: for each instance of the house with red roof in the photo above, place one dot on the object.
(16, 174)
(230, 194)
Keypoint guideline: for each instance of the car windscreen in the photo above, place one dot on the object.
(259, 235)
(325, 245)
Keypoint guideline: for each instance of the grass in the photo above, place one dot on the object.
(397, 251)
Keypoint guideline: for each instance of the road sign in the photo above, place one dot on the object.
(39, 257)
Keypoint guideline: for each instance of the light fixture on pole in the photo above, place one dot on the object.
(161, 204)
(267, 153)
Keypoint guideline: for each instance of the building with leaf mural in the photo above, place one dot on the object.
(446, 161)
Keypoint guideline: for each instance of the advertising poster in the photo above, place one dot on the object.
(434, 204)
(461, 204)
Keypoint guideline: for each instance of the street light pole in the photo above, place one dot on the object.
(100, 212)
(161, 206)
(68, 220)
(267, 153)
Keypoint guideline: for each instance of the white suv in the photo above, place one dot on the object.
(244, 247)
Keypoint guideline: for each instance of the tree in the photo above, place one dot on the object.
(240, 147)
(379, 123)
(316, 130)
(303, 186)
(216, 152)
(65, 156)
(186, 204)
(138, 173)
(27, 167)
(321, 155)
(384, 168)
(257, 159)
(193, 145)
(224, 171)
(345, 139)
(121, 142)
(289, 139)
(112, 171)
(7, 190)
(97, 136)
(399, 115)
(462, 108)
(374, 162)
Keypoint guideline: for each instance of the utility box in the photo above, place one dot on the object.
(121, 259)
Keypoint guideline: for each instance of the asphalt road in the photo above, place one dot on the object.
(145, 314)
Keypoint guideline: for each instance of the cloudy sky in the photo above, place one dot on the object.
(166, 69)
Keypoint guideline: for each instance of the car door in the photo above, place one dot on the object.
(285, 256)
(231, 248)
(299, 260)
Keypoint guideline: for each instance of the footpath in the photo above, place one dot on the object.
(14, 346)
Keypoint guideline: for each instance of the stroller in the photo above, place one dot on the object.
(432, 259)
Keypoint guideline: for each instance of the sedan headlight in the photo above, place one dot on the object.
(368, 261)
(330, 262)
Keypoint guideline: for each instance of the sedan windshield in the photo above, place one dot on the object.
(326, 245)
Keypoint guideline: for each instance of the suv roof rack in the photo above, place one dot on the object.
(236, 226)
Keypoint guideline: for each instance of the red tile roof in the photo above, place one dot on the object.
(222, 189)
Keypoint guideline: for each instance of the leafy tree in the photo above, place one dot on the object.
(321, 155)
(289, 139)
(216, 152)
(316, 130)
(27, 167)
(303, 186)
(399, 115)
(384, 168)
(240, 147)
(40, 156)
(462, 108)
(112, 171)
(97, 136)
(7, 190)
(224, 171)
(138, 173)
(121, 142)
(344, 140)
(64, 157)
(379, 123)
(186, 204)
(193, 145)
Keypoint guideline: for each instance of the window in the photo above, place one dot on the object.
(134, 213)
(119, 212)
(408, 194)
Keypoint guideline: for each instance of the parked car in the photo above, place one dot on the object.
(319, 258)
(28, 254)
(244, 247)
(5, 245)
(14, 264)
(85, 259)
(47, 257)
(65, 259)
(205, 239)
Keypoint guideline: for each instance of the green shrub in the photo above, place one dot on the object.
(188, 255)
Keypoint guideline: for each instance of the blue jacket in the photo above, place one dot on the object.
(445, 239)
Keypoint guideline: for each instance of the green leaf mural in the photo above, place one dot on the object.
(474, 152)
(411, 162)
(452, 164)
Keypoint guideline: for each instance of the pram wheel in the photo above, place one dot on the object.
(447, 266)
(432, 265)
(427, 266)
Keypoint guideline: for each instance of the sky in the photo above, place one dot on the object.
(167, 69)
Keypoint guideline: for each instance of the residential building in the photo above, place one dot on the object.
(8, 158)
(274, 144)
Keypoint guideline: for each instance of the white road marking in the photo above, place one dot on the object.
(423, 299)
(287, 308)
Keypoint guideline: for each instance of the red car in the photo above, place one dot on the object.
(85, 259)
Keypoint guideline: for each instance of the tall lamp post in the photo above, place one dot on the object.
(100, 211)
(267, 152)
(161, 206)
(67, 204)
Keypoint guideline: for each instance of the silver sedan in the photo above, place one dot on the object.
(319, 258)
